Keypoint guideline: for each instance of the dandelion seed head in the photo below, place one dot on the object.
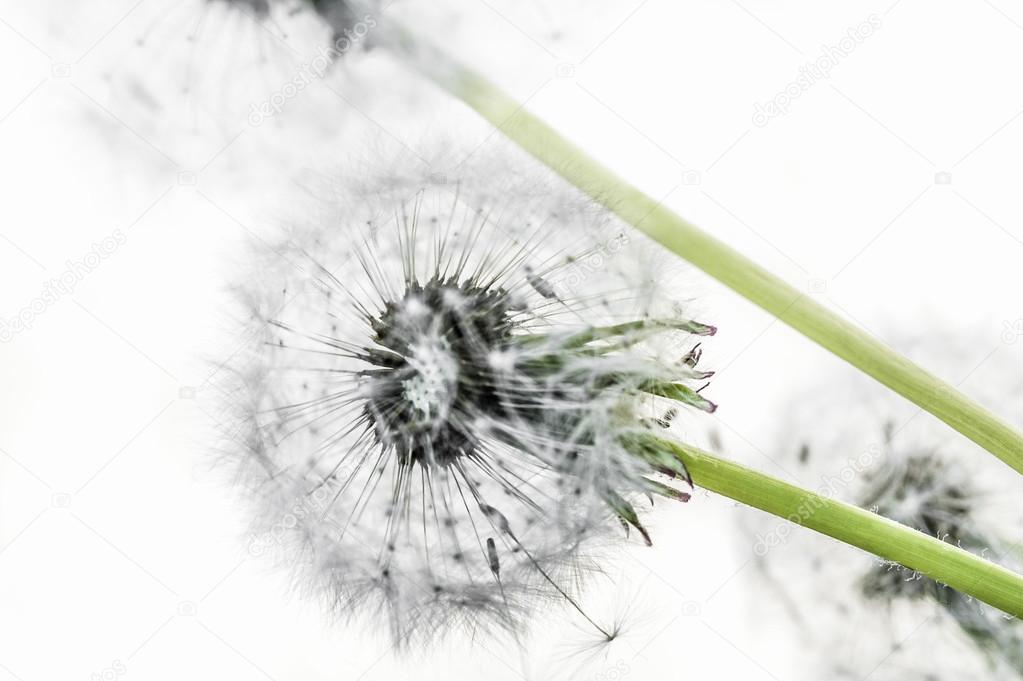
(925, 492)
(860, 443)
(444, 393)
(937, 496)
(258, 7)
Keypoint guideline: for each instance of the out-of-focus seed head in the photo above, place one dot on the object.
(849, 438)
(258, 7)
(342, 16)
(935, 496)
(928, 494)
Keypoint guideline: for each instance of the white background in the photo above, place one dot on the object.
(888, 191)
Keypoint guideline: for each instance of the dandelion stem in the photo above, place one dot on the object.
(855, 526)
(720, 261)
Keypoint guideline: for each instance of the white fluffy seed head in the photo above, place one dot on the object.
(433, 416)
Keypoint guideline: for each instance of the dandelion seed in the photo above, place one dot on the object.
(456, 428)
(634, 619)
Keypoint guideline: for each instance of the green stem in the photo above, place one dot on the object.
(713, 256)
(880, 536)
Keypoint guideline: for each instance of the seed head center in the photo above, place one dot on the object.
(433, 375)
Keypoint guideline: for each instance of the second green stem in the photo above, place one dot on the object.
(880, 536)
(742, 275)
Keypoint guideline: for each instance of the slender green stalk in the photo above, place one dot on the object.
(915, 550)
(713, 256)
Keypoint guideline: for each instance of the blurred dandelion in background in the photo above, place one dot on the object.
(860, 444)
